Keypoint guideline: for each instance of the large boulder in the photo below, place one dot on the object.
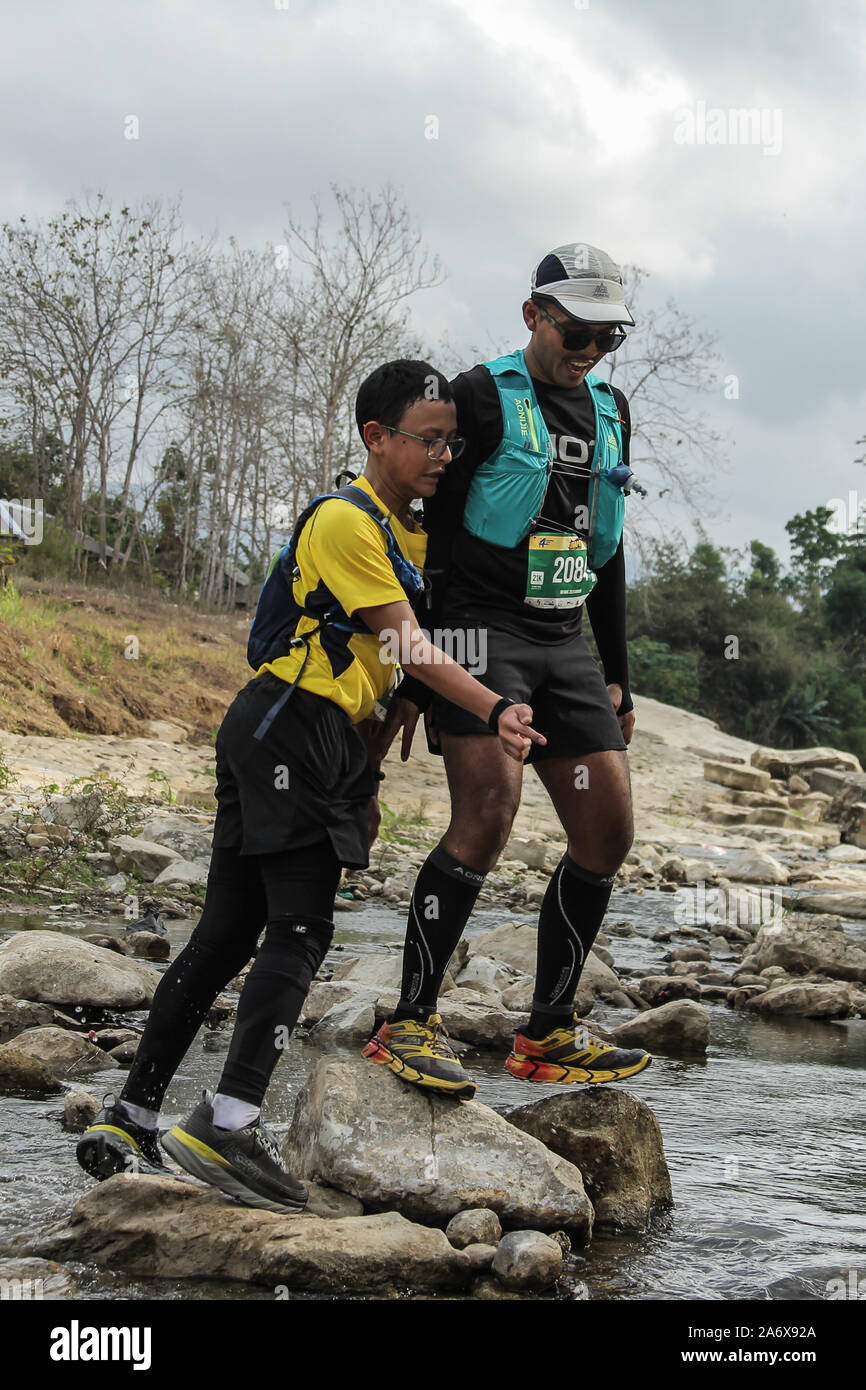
(188, 840)
(65, 1054)
(800, 948)
(350, 1022)
(678, 1029)
(394, 1146)
(164, 1228)
(516, 944)
(130, 852)
(58, 969)
(182, 873)
(806, 1000)
(615, 1141)
(474, 1019)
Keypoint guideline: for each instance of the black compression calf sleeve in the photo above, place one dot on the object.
(568, 923)
(271, 1002)
(442, 899)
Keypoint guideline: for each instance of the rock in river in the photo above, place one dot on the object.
(164, 1228)
(65, 1054)
(47, 965)
(678, 1029)
(799, 948)
(527, 1260)
(360, 1129)
(615, 1141)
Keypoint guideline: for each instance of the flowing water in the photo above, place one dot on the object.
(763, 1139)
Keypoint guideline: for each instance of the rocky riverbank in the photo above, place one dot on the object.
(391, 1169)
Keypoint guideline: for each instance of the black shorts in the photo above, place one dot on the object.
(560, 680)
(307, 779)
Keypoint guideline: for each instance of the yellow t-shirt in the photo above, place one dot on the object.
(345, 549)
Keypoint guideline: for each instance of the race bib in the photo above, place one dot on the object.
(557, 575)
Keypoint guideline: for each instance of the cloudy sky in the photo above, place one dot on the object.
(556, 120)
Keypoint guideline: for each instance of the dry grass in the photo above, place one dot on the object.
(63, 662)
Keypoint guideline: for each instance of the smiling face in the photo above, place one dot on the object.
(546, 357)
(398, 466)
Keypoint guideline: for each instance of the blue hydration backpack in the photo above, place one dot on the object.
(508, 488)
(278, 613)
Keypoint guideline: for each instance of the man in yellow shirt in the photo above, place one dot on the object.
(294, 787)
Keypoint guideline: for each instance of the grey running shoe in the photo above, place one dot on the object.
(116, 1144)
(245, 1163)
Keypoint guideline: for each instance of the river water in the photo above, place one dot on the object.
(763, 1138)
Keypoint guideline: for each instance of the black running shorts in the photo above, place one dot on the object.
(560, 680)
(306, 779)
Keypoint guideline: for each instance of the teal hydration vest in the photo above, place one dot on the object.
(508, 488)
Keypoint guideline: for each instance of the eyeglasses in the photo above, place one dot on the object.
(574, 339)
(435, 447)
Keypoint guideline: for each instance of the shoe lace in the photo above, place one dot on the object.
(440, 1046)
(267, 1142)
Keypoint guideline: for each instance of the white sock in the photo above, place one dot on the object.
(231, 1113)
(148, 1119)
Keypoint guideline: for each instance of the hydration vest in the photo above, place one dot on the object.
(278, 613)
(508, 488)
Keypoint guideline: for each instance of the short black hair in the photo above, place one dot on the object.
(387, 393)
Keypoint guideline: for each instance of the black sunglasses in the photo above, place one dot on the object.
(574, 339)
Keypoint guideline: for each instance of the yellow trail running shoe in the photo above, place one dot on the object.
(420, 1052)
(572, 1054)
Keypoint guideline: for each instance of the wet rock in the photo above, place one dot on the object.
(359, 1128)
(80, 1109)
(490, 1290)
(151, 922)
(738, 998)
(124, 1053)
(743, 778)
(798, 949)
(754, 866)
(805, 1000)
(106, 942)
(661, 989)
(163, 1228)
(678, 1029)
(349, 1022)
(478, 1226)
(23, 1075)
(846, 904)
(673, 869)
(616, 1143)
(60, 969)
(690, 969)
(148, 944)
(65, 1054)
(688, 953)
(480, 1256)
(27, 1279)
(527, 1260)
(129, 852)
(18, 1014)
